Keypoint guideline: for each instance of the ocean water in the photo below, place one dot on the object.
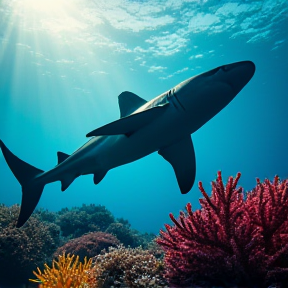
(63, 64)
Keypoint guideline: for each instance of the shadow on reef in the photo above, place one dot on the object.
(236, 239)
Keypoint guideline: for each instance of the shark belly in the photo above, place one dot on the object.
(120, 149)
(103, 153)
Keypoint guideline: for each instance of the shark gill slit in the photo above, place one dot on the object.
(179, 101)
(171, 100)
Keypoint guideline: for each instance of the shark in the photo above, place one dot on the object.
(163, 124)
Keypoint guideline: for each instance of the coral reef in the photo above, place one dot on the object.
(80, 220)
(23, 249)
(155, 249)
(66, 272)
(127, 267)
(123, 234)
(130, 237)
(45, 215)
(124, 222)
(88, 245)
(232, 239)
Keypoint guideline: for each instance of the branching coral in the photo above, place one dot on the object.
(23, 249)
(88, 245)
(127, 267)
(230, 240)
(67, 272)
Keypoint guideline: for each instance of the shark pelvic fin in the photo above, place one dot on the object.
(66, 181)
(61, 157)
(98, 177)
(129, 102)
(181, 156)
(25, 174)
(128, 125)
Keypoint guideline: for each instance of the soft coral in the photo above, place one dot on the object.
(230, 240)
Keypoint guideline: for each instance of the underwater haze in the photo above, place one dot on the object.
(64, 63)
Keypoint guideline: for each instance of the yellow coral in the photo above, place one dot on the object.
(64, 273)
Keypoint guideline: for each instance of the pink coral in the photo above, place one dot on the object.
(230, 240)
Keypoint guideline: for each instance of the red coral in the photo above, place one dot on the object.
(88, 245)
(230, 240)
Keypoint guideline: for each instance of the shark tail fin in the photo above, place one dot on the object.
(25, 174)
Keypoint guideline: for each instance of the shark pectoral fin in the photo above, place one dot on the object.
(128, 125)
(181, 156)
(98, 177)
(129, 102)
(61, 157)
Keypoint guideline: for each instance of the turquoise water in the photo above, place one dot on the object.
(63, 64)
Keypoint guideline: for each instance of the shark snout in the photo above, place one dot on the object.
(239, 74)
(249, 65)
(250, 68)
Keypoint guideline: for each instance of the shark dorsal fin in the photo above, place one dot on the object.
(129, 102)
(62, 157)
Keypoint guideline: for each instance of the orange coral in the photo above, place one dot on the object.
(65, 273)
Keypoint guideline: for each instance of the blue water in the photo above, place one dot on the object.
(63, 63)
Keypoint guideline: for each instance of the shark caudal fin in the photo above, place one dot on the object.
(25, 174)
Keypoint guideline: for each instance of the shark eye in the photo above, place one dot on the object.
(225, 68)
(212, 72)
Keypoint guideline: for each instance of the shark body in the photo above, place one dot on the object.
(163, 124)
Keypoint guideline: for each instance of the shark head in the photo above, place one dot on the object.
(204, 95)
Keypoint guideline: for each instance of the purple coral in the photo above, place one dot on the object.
(230, 240)
(88, 245)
